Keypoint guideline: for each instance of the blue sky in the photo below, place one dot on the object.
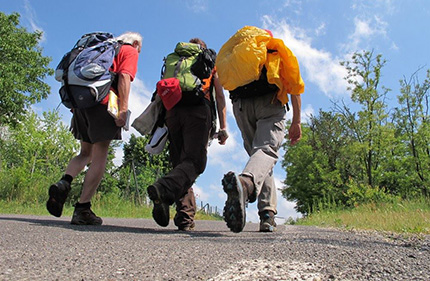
(320, 33)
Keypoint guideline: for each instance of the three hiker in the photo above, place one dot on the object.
(259, 83)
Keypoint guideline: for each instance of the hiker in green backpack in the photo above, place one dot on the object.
(189, 122)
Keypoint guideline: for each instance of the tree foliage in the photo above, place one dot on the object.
(349, 157)
(412, 118)
(33, 155)
(23, 69)
(139, 168)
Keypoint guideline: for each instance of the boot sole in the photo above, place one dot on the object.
(82, 222)
(160, 212)
(234, 210)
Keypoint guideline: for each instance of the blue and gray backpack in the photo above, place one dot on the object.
(84, 71)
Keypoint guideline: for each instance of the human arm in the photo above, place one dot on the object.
(125, 66)
(295, 130)
(124, 81)
(221, 108)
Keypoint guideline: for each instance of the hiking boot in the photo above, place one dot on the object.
(84, 216)
(234, 210)
(160, 212)
(267, 221)
(189, 227)
(249, 187)
(57, 196)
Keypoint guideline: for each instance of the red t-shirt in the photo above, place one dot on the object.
(124, 62)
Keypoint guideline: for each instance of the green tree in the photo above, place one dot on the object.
(34, 155)
(139, 168)
(346, 157)
(315, 167)
(412, 118)
(364, 75)
(22, 69)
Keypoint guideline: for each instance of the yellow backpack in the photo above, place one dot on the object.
(243, 56)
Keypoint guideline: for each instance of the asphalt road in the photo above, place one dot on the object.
(48, 248)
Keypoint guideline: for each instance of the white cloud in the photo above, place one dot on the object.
(306, 113)
(317, 66)
(370, 7)
(294, 6)
(394, 46)
(369, 24)
(119, 154)
(252, 213)
(140, 97)
(32, 19)
(321, 29)
(323, 68)
(228, 104)
(197, 6)
(365, 29)
(285, 208)
(228, 157)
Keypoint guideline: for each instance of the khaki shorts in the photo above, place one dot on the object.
(94, 124)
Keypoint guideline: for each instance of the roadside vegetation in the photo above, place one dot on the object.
(402, 217)
(106, 207)
(365, 164)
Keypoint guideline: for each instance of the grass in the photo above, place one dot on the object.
(406, 217)
(104, 208)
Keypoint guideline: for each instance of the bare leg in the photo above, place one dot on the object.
(78, 163)
(96, 170)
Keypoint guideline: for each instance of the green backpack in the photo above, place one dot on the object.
(178, 64)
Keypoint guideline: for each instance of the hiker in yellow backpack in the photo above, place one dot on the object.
(259, 71)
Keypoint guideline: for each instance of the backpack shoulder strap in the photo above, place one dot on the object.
(118, 46)
(178, 66)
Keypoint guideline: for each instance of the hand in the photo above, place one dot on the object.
(122, 118)
(222, 136)
(295, 133)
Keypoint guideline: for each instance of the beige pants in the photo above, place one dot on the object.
(261, 121)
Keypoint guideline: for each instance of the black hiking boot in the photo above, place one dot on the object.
(160, 212)
(235, 206)
(57, 196)
(85, 216)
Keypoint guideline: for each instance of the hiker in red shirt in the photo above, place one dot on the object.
(96, 128)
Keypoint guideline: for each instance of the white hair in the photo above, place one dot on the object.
(130, 37)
